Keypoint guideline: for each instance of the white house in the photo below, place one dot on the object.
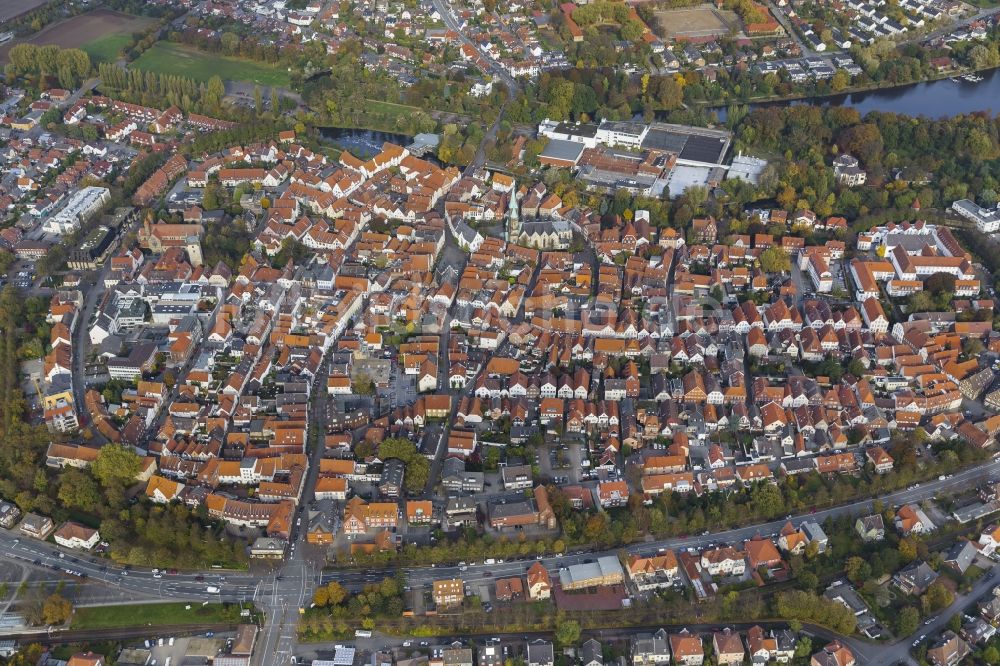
(76, 536)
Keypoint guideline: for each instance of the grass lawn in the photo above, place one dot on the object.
(170, 58)
(112, 617)
(64, 652)
(106, 48)
(390, 109)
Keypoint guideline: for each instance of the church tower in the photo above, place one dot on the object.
(513, 218)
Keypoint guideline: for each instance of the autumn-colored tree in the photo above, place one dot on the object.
(57, 609)
(335, 593)
(775, 260)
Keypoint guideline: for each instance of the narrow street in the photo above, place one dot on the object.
(787, 25)
(899, 652)
(490, 136)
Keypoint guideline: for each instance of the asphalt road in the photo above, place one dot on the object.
(448, 17)
(291, 587)
(479, 573)
(281, 593)
(899, 652)
(180, 587)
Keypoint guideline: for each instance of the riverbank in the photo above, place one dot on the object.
(985, 93)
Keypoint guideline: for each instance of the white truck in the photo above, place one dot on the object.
(212, 589)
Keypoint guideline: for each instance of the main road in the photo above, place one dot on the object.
(479, 573)
(248, 586)
(281, 593)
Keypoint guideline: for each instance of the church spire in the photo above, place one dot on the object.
(513, 218)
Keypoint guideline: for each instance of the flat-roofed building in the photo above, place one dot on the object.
(606, 570)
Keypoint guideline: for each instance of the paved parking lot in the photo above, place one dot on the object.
(406, 388)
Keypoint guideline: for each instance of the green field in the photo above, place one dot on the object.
(170, 58)
(106, 48)
(113, 617)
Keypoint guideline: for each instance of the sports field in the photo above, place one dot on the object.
(701, 21)
(102, 30)
(183, 60)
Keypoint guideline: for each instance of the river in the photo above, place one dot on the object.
(933, 99)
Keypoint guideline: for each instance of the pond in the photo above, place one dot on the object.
(362, 142)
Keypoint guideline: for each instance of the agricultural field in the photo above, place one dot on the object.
(12, 9)
(100, 33)
(183, 60)
(701, 21)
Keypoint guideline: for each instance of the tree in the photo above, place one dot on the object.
(856, 568)
(214, 92)
(116, 464)
(907, 621)
(982, 56)
(991, 655)
(803, 648)
(363, 384)
(417, 466)
(955, 622)
(840, 81)
(787, 197)
(336, 593)
(907, 550)
(808, 607)
(767, 500)
(937, 596)
(669, 93)
(77, 490)
(940, 283)
(210, 197)
(775, 260)
(864, 141)
(920, 301)
(696, 196)
(856, 367)
(230, 42)
(567, 632)
(807, 581)
(57, 609)
(972, 347)
(632, 30)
